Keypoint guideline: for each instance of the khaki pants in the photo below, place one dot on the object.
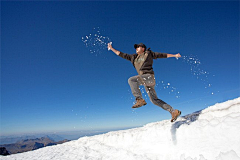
(148, 80)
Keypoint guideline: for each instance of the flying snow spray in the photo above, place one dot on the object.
(96, 42)
(196, 70)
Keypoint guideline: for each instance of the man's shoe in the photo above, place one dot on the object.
(139, 103)
(175, 114)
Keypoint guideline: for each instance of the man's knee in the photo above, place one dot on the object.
(131, 80)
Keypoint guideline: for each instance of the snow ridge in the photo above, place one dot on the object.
(209, 134)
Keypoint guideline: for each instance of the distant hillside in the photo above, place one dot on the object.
(15, 139)
(30, 144)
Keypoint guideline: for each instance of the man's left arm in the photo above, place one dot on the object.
(164, 55)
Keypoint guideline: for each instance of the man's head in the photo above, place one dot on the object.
(140, 47)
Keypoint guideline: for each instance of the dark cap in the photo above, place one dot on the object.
(141, 45)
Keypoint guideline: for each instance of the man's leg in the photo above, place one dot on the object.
(149, 84)
(149, 87)
(134, 83)
(155, 100)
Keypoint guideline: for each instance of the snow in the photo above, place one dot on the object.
(196, 69)
(209, 134)
(96, 42)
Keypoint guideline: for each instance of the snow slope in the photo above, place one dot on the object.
(209, 134)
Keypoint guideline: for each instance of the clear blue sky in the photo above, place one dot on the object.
(50, 81)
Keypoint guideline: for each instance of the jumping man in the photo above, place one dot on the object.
(143, 61)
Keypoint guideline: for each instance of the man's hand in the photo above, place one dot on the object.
(112, 49)
(178, 55)
(110, 46)
(174, 55)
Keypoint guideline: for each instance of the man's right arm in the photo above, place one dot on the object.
(121, 54)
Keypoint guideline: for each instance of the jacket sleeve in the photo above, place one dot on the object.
(126, 56)
(159, 55)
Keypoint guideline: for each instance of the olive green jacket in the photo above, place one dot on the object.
(147, 63)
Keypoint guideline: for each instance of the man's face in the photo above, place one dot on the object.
(139, 50)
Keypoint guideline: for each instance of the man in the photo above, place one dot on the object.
(143, 61)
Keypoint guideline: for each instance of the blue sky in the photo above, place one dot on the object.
(50, 82)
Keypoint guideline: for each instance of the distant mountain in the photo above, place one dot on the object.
(30, 144)
(55, 137)
(15, 139)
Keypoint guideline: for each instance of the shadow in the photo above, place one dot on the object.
(187, 120)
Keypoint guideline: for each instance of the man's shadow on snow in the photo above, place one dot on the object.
(188, 119)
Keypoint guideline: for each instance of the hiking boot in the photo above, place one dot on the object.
(139, 103)
(175, 114)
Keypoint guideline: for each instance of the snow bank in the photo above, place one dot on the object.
(209, 134)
